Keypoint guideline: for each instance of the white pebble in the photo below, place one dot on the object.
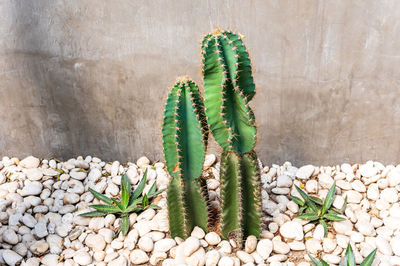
(292, 230)
(212, 238)
(305, 172)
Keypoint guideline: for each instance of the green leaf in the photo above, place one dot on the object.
(324, 263)
(344, 205)
(298, 201)
(322, 222)
(309, 210)
(101, 197)
(301, 210)
(106, 208)
(152, 189)
(126, 189)
(369, 259)
(329, 199)
(315, 261)
(333, 210)
(93, 214)
(307, 199)
(156, 207)
(124, 224)
(152, 192)
(333, 217)
(308, 216)
(145, 201)
(351, 261)
(133, 207)
(119, 205)
(138, 191)
(316, 200)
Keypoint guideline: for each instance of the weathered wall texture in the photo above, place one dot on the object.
(90, 77)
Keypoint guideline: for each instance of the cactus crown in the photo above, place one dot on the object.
(185, 130)
(229, 86)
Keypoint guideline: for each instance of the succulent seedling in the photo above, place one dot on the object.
(348, 259)
(131, 201)
(317, 211)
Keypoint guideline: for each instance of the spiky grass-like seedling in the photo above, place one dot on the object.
(130, 202)
(229, 87)
(185, 135)
(348, 259)
(317, 211)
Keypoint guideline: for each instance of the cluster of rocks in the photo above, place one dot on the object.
(40, 203)
(372, 212)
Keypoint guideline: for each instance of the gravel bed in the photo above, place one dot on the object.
(40, 203)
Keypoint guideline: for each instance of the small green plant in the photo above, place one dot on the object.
(129, 203)
(317, 211)
(348, 260)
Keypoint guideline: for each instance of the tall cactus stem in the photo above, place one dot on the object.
(185, 134)
(231, 196)
(251, 194)
(228, 86)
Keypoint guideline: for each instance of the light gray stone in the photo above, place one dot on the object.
(82, 257)
(138, 256)
(264, 248)
(191, 244)
(212, 238)
(10, 237)
(31, 189)
(164, 245)
(95, 241)
(251, 244)
(305, 172)
(10, 257)
(146, 244)
(292, 230)
(29, 162)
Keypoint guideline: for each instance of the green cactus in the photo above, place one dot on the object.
(240, 194)
(185, 134)
(229, 87)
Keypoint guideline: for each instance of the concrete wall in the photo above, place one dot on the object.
(82, 77)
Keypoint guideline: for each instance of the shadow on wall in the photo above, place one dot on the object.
(50, 81)
(94, 104)
(71, 102)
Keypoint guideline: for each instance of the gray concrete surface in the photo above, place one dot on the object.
(82, 77)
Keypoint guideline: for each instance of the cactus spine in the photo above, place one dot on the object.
(229, 87)
(185, 134)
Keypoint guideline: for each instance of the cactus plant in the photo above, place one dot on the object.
(229, 87)
(185, 134)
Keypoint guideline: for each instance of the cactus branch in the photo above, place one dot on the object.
(231, 196)
(251, 204)
(228, 86)
(185, 134)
